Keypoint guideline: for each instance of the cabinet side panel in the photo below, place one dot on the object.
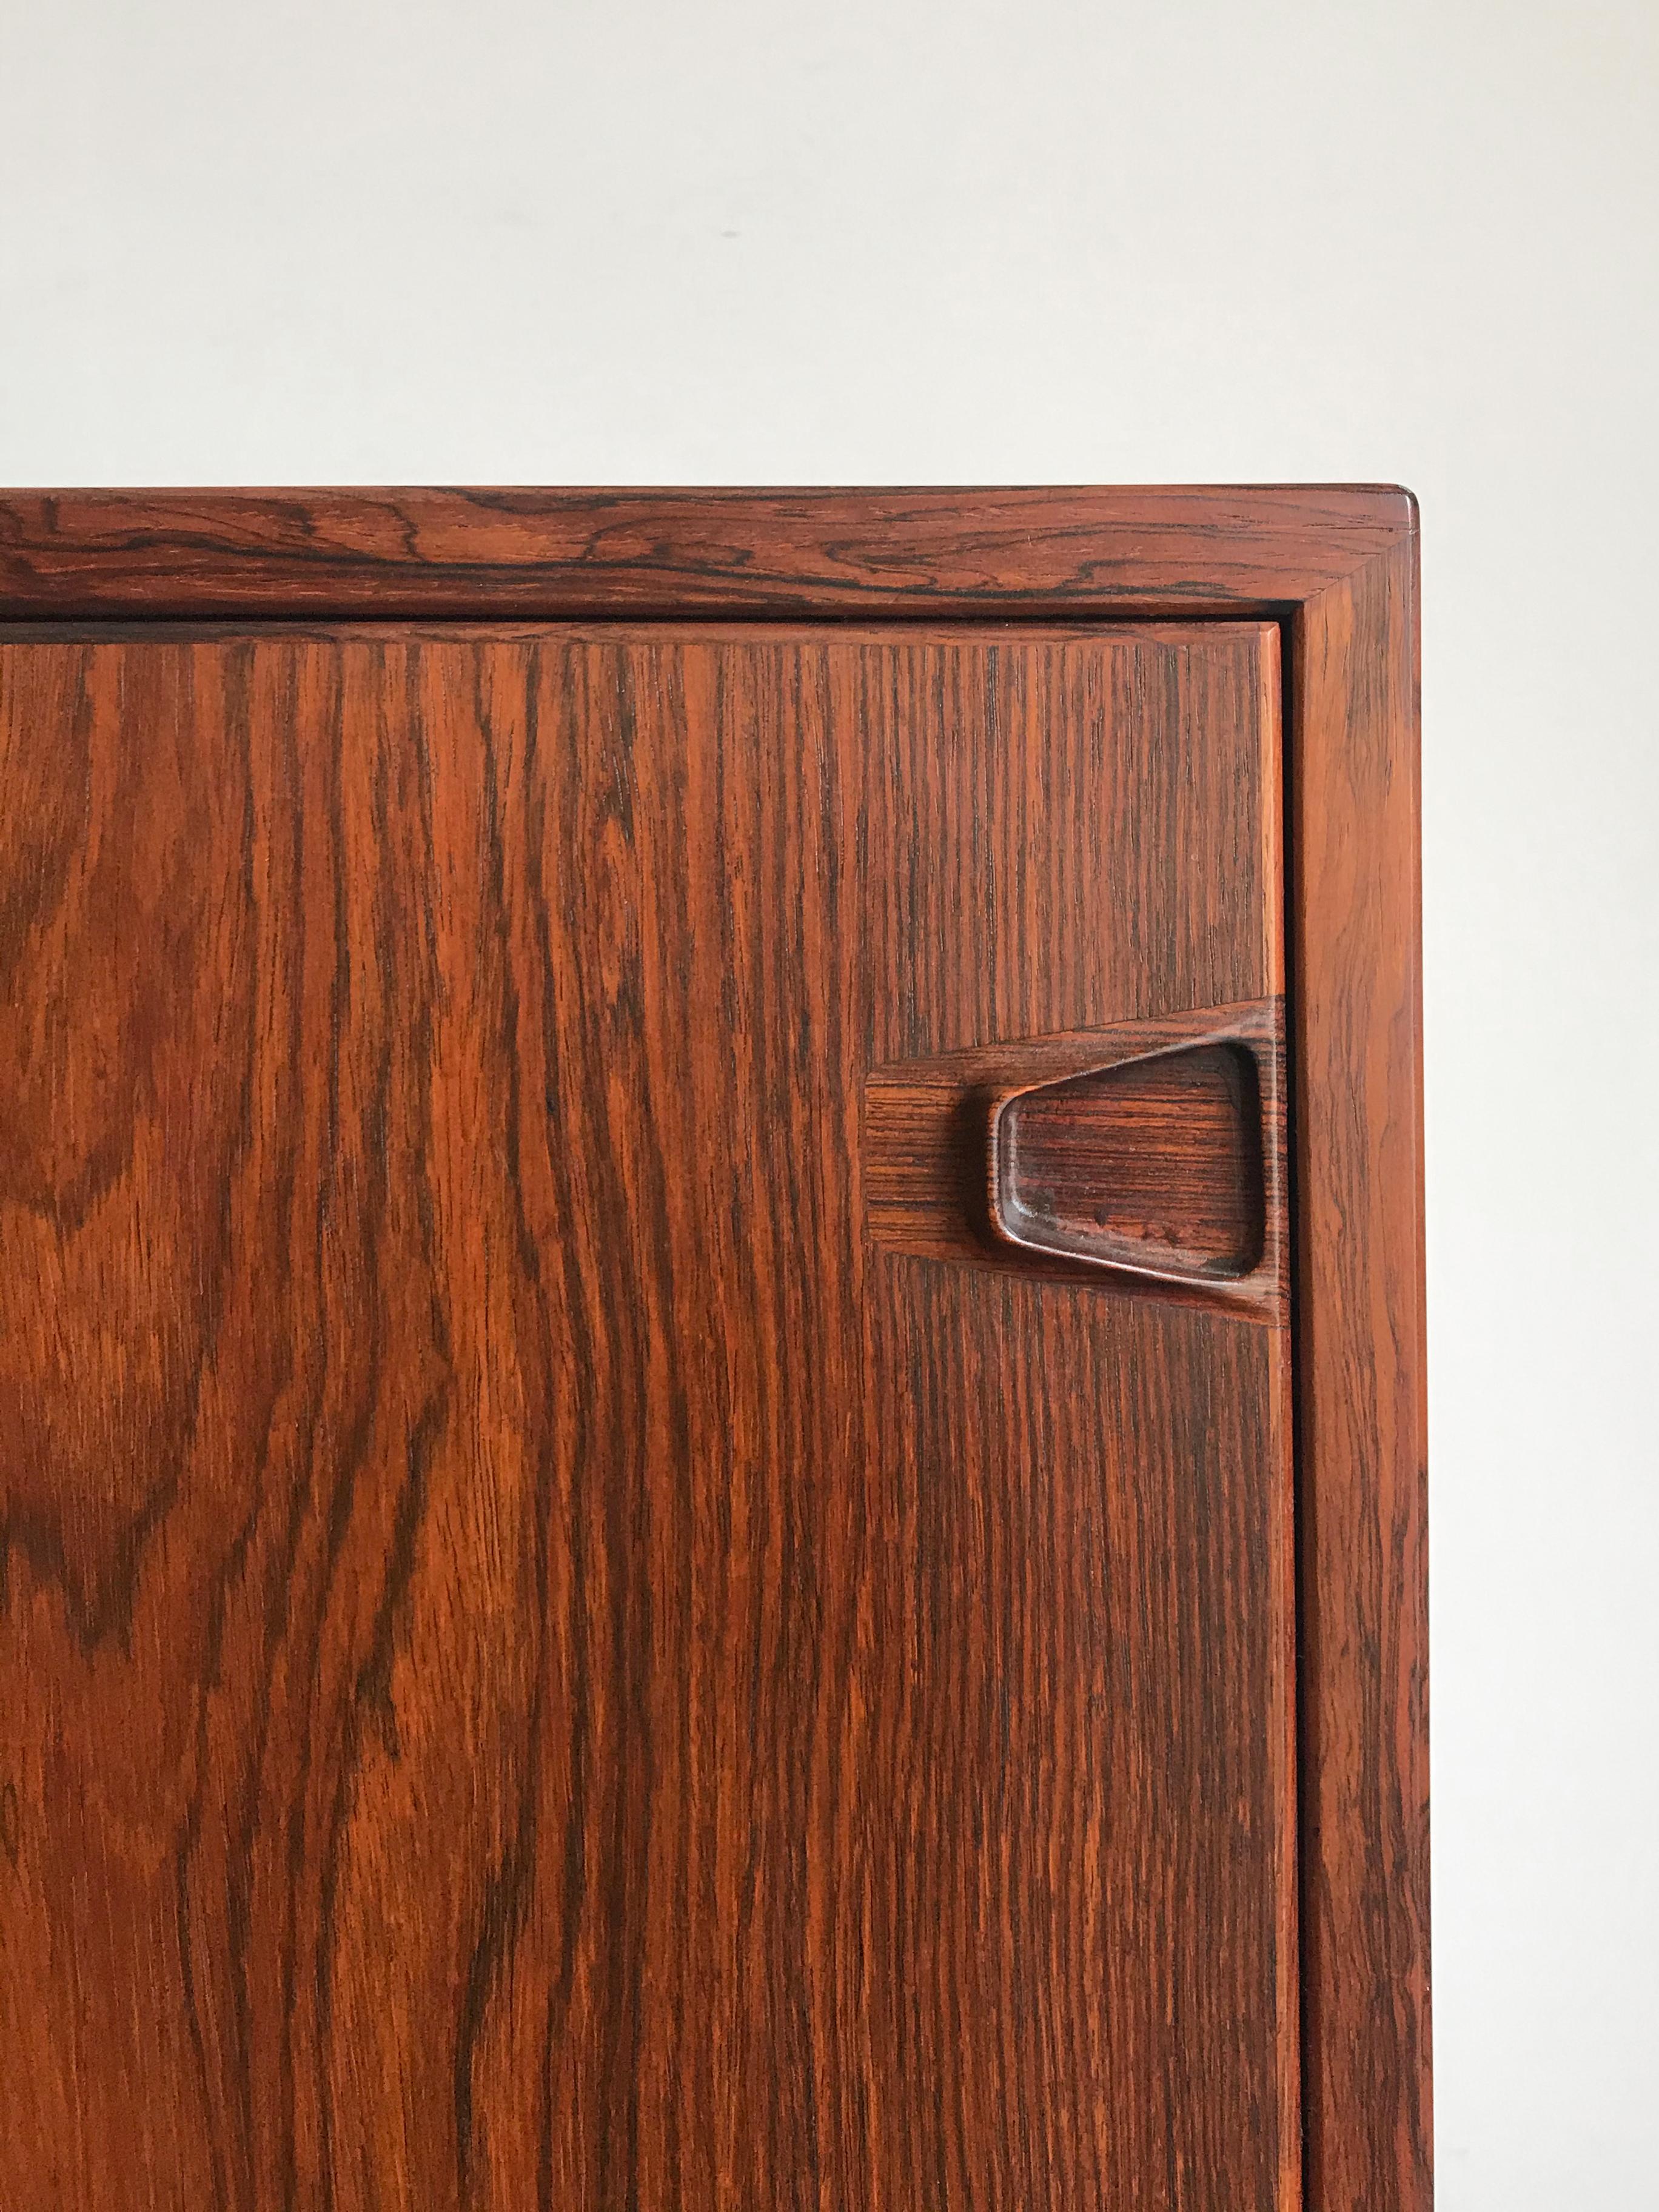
(1357, 1090)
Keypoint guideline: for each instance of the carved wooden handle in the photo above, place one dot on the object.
(1149, 1156)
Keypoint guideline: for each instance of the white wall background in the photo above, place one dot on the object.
(752, 241)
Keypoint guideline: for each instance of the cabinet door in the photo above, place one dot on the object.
(643, 1420)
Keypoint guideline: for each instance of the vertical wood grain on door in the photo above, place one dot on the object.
(538, 1666)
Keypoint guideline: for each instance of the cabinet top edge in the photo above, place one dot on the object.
(482, 552)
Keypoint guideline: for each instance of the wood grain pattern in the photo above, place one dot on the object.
(473, 555)
(933, 1160)
(1361, 1365)
(484, 1720)
(1157, 1163)
(1336, 565)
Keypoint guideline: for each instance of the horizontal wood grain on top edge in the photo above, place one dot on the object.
(550, 553)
